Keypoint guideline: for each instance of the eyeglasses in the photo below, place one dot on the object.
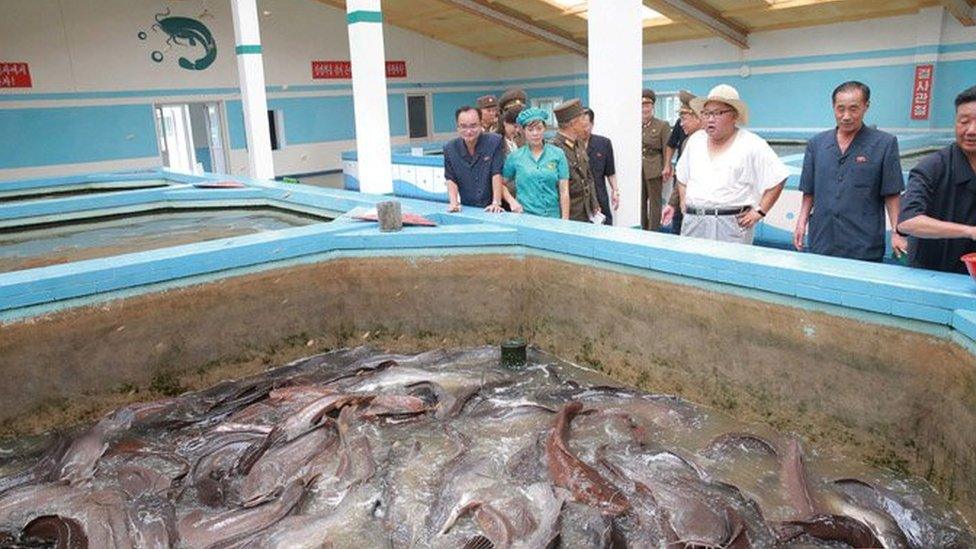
(715, 114)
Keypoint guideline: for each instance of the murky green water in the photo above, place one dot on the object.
(102, 238)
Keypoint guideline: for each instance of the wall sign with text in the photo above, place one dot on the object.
(338, 70)
(922, 92)
(15, 75)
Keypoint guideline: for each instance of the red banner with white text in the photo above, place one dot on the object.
(338, 70)
(15, 75)
(922, 92)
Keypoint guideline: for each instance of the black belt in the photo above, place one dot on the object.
(717, 211)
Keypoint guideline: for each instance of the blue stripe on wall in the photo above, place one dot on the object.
(951, 77)
(397, 105)
(489, 84)
(802, 99)
(67, 135)
(444, 105)
(315, 119)
(50, 136)
(235, 124)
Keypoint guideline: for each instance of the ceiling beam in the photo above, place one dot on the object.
(961, 10)
(778, 6)
(519, 22)
(699, 13)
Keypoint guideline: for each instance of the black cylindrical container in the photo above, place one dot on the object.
(513, 353)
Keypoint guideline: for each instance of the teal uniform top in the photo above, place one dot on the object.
(537, 180)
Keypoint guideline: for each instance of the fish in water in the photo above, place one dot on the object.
(570, 472)
(447, 449)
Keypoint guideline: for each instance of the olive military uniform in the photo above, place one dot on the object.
(654, 137)
(582, 191)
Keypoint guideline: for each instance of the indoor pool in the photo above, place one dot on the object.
(101, 237)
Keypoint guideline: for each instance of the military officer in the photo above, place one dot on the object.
(572, 121)
(488, 107)
(655, 135)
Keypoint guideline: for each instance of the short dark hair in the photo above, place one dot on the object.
(465, 108)
(966, 96)
(589, 114)
(852, 85)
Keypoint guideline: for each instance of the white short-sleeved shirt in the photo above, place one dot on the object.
(737, 177)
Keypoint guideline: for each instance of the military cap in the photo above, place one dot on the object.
(648, 95)
(512, 97)
(568, 110)
(487, 102)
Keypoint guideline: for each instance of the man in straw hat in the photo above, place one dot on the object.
(728, 177)
(572, 122)
(654, 137)
(488, 107)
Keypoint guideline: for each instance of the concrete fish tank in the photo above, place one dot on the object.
(676, 390)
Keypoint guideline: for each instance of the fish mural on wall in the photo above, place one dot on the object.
(187, 33)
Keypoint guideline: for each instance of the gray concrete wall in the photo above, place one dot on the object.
(881, 395)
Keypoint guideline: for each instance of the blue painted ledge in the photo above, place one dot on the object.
(897, 292)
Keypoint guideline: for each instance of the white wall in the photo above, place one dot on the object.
(82, 47)
(92, 45)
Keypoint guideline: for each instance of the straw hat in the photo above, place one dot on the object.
(724, 93)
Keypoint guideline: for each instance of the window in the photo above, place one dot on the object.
(417, 126)
(667, 106)
(547, 104)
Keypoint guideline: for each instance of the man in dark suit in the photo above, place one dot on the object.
(600, 151)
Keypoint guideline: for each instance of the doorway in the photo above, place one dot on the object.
(191, 137)
(667, 107)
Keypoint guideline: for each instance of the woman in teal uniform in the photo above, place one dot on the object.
(540, 170)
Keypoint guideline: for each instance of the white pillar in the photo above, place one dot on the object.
(615, 80)
(250, 70)
(365, 22)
